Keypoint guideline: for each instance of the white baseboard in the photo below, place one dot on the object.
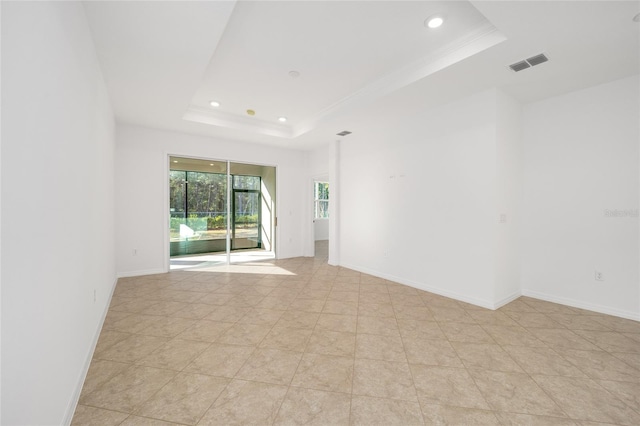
(506, 300)
(139, 273)
(582, 305)
(71, 408)
(422, 286)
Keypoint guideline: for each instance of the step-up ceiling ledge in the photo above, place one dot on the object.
(474, 42)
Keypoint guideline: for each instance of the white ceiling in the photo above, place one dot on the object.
(358, 61)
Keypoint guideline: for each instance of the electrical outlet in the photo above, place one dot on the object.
(94, 295)
(599, 276)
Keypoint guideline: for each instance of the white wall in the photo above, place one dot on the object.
(57, 218)
(418, 203)
(142, 182)
(581, 159)
(507, 219)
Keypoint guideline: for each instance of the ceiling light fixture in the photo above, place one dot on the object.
(214, 104)
(175, 161)
(251, 112)
(434, 22)
(282, 119)
(294, 74)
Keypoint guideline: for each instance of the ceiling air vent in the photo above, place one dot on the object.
(536, 60)
(519, 66)
(528, 63)
(344, 133)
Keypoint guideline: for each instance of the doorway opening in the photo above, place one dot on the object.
(321, 219)
(220, 212)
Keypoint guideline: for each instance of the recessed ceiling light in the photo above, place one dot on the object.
(294, 74)
(214, 104)
(282, 119)
(251, 112)
(434, 22)
(636, 18)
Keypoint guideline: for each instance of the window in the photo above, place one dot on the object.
(321, 196)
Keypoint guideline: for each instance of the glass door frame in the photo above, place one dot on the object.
(275, 234)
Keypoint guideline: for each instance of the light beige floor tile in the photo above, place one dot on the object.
(129, 389)
(486, 356)
(628, 392)
(372, 298)
(336, 322)
(298, 319)
(194, 311)
(313, 407)
(584, 399)
(373, 286)
(175, 355)
(131, 305)
(383, 379)
(420, 329)
(339, 307)
(288, 339)
(243, 403)
(563, 339)
(518, 305)
(602, 365)
(485, 317)
(270, 366)
(329, 342)
(543, 361)
(347, 296)
(386, 348)
(184, 399)
(134, 323)
(378, 325)
(513, 419)
(100, 371)
(611, 341)
(167, 327)
(307, 305)
(578, 322)
(430, 352)
(244, 334)
(533, 320)
(113, 317)
(447, 415)
(133, 348)
(461, 332)
(91, 416)
(445, 385)
(272, 302)
(220, 360)
(515, 336)
(367, 411)
(145, 421)
(455, 315)
(216, 298)
(376, 309)
(164, 308)
(261, 316)
(402, 300)
(515, 392)
(324, 372)
(226, 313)
(205, 331)
(420, 313)
(621, 325)
(633, 359)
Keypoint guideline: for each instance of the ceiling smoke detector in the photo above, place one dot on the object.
(529, 62)
(344, 133)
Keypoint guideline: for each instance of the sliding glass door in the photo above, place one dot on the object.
(216, 207)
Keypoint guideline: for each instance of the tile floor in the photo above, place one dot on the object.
(300, 342)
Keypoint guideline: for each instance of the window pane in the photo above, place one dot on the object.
(246, 182)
